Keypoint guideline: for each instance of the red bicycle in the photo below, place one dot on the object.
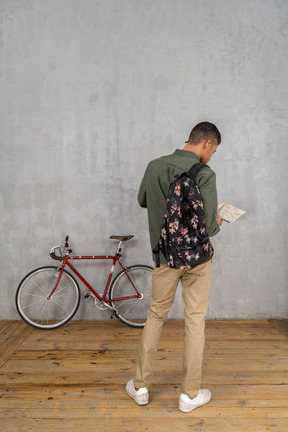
(49, 296)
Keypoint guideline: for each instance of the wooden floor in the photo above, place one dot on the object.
(73, 378)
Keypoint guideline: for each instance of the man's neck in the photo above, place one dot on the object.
(193, 148)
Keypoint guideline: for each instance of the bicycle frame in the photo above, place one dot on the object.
(115, 259)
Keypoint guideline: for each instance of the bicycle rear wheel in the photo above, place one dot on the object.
(132, 312)
(37, 309)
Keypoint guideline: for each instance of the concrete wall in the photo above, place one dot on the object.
(92, 90)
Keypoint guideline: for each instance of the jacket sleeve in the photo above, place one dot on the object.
(207, 186)
(142, 199)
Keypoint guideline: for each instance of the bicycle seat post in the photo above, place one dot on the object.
(119, 249)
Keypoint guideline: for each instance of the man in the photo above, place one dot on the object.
(203, 142)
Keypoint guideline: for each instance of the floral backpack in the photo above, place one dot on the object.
(184, 241)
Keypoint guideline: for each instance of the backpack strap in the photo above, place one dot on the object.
(193, 172)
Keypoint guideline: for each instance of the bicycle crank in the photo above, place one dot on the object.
(100, 305)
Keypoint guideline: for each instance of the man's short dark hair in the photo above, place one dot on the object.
(204, 131)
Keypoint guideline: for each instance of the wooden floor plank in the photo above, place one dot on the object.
(281, 326)
(122, 402)
(100, 334)
(12, 335)
(123, 375)
(7, 329)
(73, 378)
(123, 410)
(186, 423)
(164, 362)
(131, 354)
(226, 393)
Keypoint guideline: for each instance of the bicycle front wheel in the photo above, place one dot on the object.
(132, 312)
(38, 309)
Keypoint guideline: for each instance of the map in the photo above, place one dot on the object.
(228, 212)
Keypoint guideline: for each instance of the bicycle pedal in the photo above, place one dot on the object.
(87, 295)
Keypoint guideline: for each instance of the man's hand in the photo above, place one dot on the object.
(219, 221)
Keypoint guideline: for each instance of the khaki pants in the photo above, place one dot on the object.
(195, 293)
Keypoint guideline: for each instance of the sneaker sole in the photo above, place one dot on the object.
(145, 401)
(185, 408)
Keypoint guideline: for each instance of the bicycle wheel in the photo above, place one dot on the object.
(132, 312)
(32, 300)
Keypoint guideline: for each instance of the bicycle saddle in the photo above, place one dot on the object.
(121, 238)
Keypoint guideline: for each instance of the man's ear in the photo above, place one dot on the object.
(207, 144)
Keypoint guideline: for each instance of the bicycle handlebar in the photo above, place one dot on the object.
(62, 249)
(57, 257)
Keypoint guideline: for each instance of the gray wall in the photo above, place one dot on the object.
(92, 90)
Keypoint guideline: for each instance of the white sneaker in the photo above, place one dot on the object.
(140, 396)
(186, 404)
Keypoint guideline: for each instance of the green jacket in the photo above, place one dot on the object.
(159, 174)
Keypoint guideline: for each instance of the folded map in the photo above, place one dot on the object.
(228, 212)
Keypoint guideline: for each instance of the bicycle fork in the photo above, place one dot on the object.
(60, 269)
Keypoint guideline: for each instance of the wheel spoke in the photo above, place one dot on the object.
(128, 310)
(37, 286)
(33, 304)
(33, 295)
(58, 304)
(61, 289)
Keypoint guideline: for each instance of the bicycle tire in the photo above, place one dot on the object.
(132, 312)
(33, 305)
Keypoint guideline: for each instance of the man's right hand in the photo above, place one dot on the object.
(219, 221)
